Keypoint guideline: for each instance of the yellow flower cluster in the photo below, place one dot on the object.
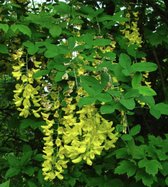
(85, 133)
(146, 76)
(81, 135)
(48, 149)
(52, 166)
(109, 48)
(26, 94)
(131, 30)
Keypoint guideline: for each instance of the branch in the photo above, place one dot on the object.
(160, 72)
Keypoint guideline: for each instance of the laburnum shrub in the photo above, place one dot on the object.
(81, 132)
(72, 72)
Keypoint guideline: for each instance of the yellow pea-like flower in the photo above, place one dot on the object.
(16, 68)
(36, 112)
(58, 142)
(18, 100)
(26, 103)
(17, 74)
(37, 64)
(89, 162)
(59, 175)
(92, 155)
(81, 149)
(24, 78)
(77, 160)
(59, 167)
(24, 112)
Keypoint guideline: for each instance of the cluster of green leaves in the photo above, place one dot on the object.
(138, 160)
(144, 160)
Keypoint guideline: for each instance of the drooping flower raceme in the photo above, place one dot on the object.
(72, 134)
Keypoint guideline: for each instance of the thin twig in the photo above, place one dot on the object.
(160, 72)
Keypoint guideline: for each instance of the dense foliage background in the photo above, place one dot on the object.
(106, 60)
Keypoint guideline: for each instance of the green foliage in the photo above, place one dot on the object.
(5, 184)
(65, 36)
(145, 161)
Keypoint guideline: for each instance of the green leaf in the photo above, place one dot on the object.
(164, 171)
(55, 50)
(52, 51)
(11, 172)
(32, 48)
(57, 66)
(40, 177)
(98, 168)
(91, 85)
(101, 42)
(104, 97)
(27, 154)
(55, 31)
(162, 108)
(115, 182)
(86, 101)
(151, 166)
(31, 183)
(44, 19)
(135, 130)
(38, 157)
(13, 160)
(104, 79)
(118, 17)
(34, 124)
(110, 55)
(147, 99)
(107, 109)
(105, 18)
(88, 10)
(29, 170)
(154, 38)
(40, 73)
(4, 27)
(27, 148)
(71, 43)
(154, 112)
(118, 72)
(131, 93)
(3, 49)
(143, 67)
(125, 167)
(161, 155)
(124, 60)
(138, 152)
(166, 181)
(132, 50)
(147, 179)
(22, 28)
(121, 153)
(5, 184)
(59, 76)
(62, 8)
(146, 91)
(128, 103)
(87, 38)
(25, 30)
(136, 81)
(126, 137)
